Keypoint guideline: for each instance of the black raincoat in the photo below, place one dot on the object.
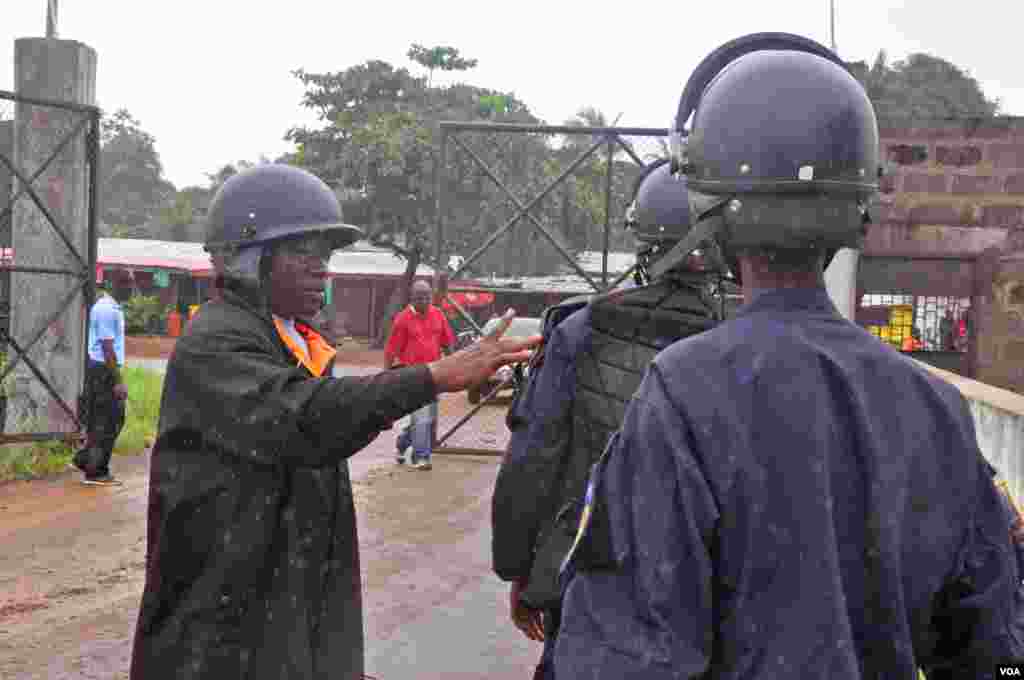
(252, 567)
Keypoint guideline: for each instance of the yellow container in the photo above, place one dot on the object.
(901, 315)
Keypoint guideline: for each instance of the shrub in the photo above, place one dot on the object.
(144, 314)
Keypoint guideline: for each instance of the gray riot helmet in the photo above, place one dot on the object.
(783, 150)
(267, 204)
(659, 216)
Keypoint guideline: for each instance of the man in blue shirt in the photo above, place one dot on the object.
(103, 400)
(788, 497)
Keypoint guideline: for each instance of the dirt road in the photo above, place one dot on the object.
(71, 568)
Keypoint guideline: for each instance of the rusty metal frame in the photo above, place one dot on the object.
(89, 125)
(969, 362)
(609, 137)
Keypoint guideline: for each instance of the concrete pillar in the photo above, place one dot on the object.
(62, 70)
(841, 282)
(7, 151)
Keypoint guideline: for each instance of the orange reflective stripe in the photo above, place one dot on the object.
(320, 353)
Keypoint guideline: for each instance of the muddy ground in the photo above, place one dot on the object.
(71, 568)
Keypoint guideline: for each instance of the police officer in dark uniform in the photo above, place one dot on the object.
(252, 566)
(594, 358)
(788, 497)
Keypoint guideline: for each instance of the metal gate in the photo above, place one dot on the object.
(611, 138)
(83, 123)
(930, 285)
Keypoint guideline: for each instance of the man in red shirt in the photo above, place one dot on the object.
(419, 335)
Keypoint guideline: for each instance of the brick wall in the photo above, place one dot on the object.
(957, 188)
(951, 187)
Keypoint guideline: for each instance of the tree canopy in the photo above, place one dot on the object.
(132, 186)
(922, 86)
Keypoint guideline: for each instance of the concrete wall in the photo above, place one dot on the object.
(999, 423)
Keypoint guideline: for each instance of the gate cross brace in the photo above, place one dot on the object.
(42, 378)
(42, 208)
(524, 209)
(39, 333)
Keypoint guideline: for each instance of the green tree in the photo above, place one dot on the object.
(439, 57)
(132, 187)
(923, 87)
(378, 146)
(583, 197)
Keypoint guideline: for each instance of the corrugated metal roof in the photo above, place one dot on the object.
(539, 284)
(618, 261)
(359, 259)
(147, 253)
(366, 259)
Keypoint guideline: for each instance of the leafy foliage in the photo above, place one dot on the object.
(379, 144)
(132, 187)
(144, 313)
(923, 87)
(26, 461)
(440, 57)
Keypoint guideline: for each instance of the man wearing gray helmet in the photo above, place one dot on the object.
(252, 565)
(594, 357)
(789, 497)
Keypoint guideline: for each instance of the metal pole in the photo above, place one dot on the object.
(462, 421)
(439, 203)
(92, 154)
(553, 129)
(607, 214)
(51, 19)
(832, 22)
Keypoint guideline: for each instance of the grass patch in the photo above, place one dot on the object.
(145, 388)
(26, 461)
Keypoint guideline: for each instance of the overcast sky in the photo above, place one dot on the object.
(211, 80)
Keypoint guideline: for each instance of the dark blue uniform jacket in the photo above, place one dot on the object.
(791, 498)
(526, 492)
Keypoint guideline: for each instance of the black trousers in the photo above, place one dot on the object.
(103, 416)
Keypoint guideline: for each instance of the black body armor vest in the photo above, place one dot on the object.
(629, 327)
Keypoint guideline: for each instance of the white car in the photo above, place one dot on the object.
(521, 327)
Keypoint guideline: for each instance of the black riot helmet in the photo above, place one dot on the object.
(272, 202)
(783, 147)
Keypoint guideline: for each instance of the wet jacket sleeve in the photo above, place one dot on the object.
(979, 619)
(650, 617)
(251, 403)
(525, 490)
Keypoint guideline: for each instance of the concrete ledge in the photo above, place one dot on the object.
(998, 416)
(1005, 400)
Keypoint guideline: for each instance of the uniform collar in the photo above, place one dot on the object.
(813, 300)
